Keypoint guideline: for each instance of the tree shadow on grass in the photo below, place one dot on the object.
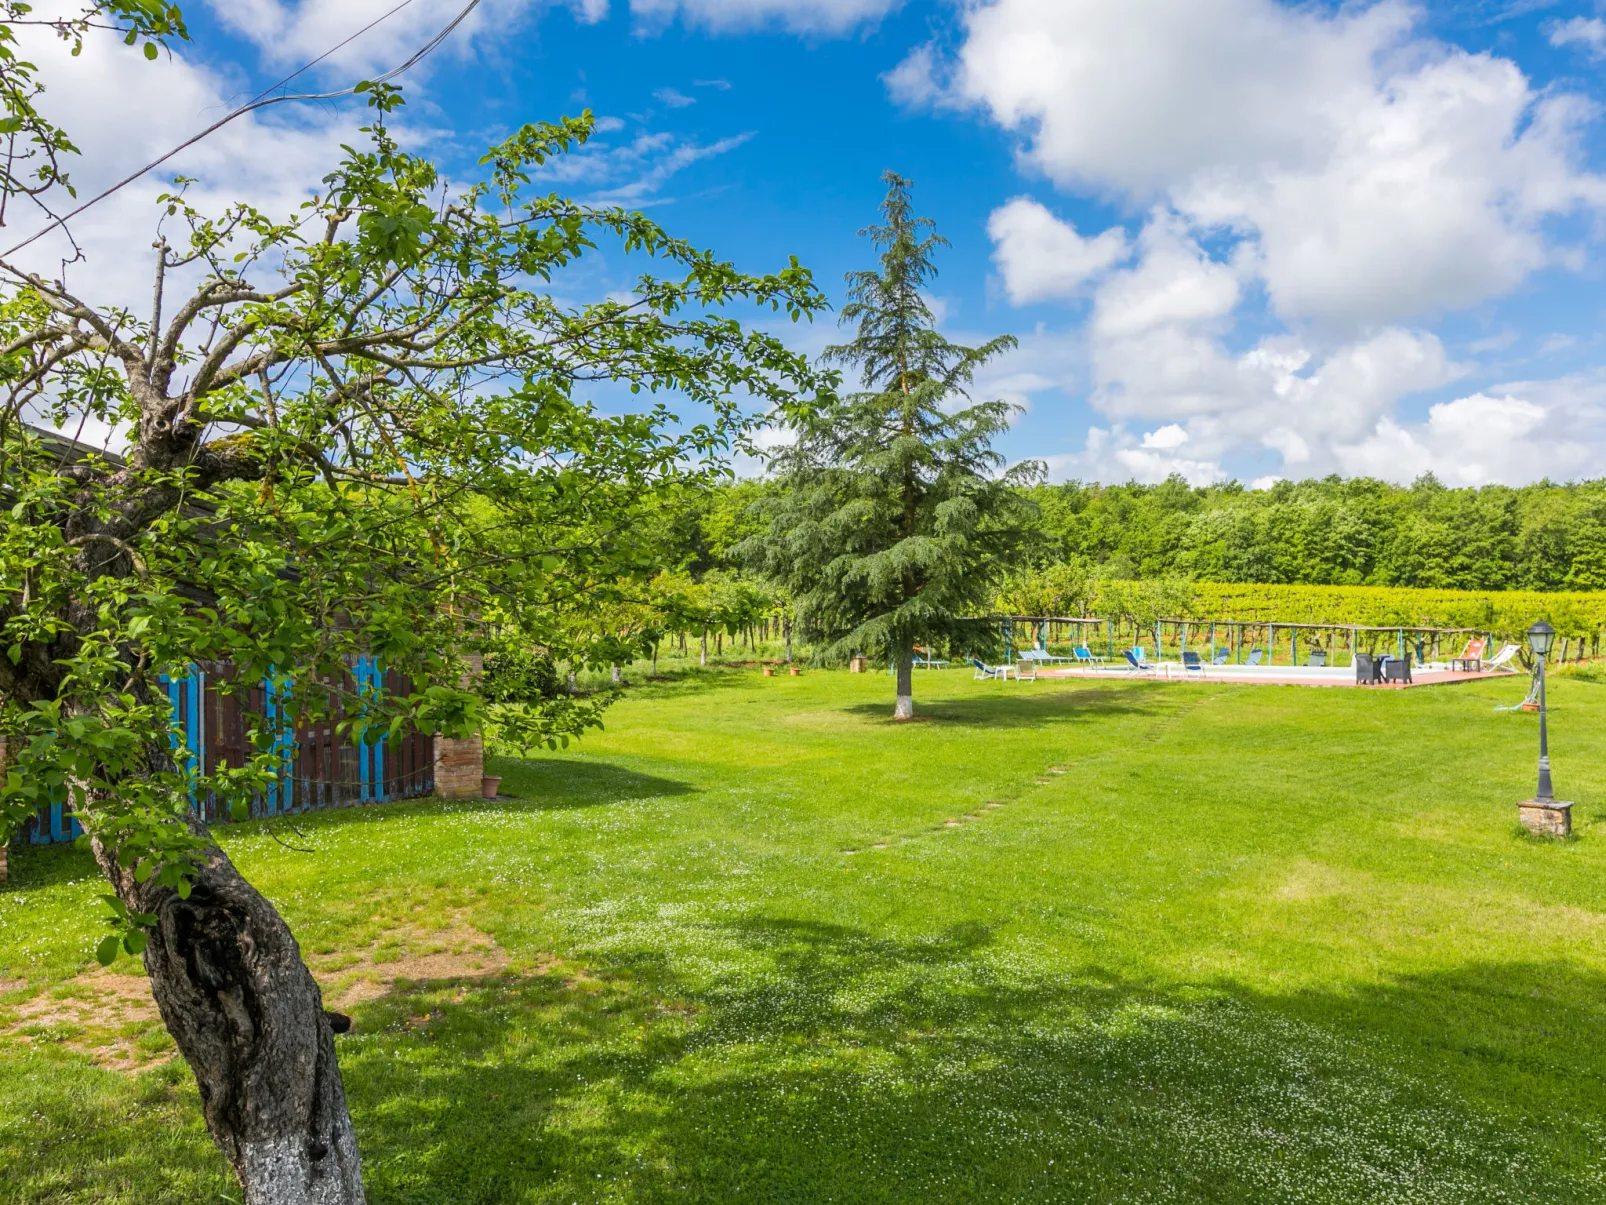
(1038, 709)
(549, 783)
(31, 867)
(836, 1065)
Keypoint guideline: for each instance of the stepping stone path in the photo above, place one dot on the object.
(980, 813)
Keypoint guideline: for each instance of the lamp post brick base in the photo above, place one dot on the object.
(1546, 817)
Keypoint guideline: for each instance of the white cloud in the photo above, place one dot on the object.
(672, 98)
(1040, 256)
(800, 16)
(1174, 286)
(1471, 441)
(1114, 454)
(1513, 433)
(1321, 182)
(633, 170)
(290, 32)
(1375, 176)
(1587, 32)
(124, 111)
(1165, 438)
(1159, 353)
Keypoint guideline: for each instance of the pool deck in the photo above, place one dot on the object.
(1270, 675)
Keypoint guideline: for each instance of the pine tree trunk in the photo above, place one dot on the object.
(248, 1017)
(904, 659)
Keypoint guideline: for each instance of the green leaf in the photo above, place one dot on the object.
(150, 53)
(134, 941)
(183, 889)
(106, 951)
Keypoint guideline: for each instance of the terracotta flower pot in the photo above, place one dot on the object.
(792, 671)
(769, 672)
(489, 785)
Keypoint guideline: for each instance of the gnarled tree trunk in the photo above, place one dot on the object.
(248, 1017)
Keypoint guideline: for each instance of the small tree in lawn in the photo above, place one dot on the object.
(891, 521)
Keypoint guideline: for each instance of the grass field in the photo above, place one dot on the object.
(1101, 942)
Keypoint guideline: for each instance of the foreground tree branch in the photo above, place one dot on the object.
(364, 442)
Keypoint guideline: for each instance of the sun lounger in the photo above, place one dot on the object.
(1086, 656)
(924, 659)
(984, 672)
(1135, 659)
(1254, 657)
(1471, 658)
(1501, 659)
(1222, 657)
(1191, 661)
(1026, 669)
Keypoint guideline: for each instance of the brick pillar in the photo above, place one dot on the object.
(460, 764)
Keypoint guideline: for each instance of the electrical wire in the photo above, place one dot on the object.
(261, 101)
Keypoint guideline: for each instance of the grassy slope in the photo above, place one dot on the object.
(1256, 943)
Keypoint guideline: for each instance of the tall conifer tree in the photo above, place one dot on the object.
(892, 521)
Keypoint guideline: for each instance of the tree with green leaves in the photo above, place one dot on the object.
(361, 429)
(891, 520)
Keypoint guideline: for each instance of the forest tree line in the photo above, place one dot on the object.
(1328, 531)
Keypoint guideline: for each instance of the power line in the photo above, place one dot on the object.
(261, 101)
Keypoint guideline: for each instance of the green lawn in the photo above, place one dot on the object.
(757, 943)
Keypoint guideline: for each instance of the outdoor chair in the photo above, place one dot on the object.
(1317, 658)
(1397, 669)
(1499, 660)
(1026, 669)
(1254, 657)
(1192, 661)
(923, 658)
(1085, 656)
(1134, 658)
(1222, 657)
(984, 672)
(1471, 658)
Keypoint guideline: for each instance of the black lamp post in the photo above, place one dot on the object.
(1540, 638)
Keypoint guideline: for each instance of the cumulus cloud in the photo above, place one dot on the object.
(1588, 33)
(799, 16)
(1377, 175)
(1320, 183)
(1517, 432)
(1039, 256)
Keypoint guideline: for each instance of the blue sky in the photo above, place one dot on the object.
(1237, 238)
